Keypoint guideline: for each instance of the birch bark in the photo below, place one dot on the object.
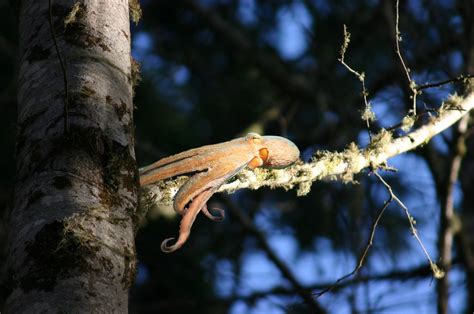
(71, 243)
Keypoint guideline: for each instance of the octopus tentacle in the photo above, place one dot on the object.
(219, 217)
(181, 156)
(159, 172)
(211, 179)
(187, 221)
(196, 159)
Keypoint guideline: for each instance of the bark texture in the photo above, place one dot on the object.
(71, 243)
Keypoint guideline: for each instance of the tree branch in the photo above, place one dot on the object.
(327, 165)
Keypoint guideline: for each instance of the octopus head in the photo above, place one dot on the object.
(275, 151)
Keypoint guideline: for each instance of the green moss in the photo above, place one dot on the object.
(451, 103)
(55, 253)
(72, 15)
(304, 188)
(380, 140)
(130, 271)
(135, 77)
(263, 174)
(368, 114)
(408, 122)
(135, 10)
(76, 32)
(114, 159)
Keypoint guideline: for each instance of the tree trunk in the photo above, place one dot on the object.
(71, 243)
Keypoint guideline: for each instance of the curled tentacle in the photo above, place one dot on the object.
(198, 203)
(169, 248)
(219, 217)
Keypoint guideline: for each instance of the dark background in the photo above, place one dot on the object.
(215, 70)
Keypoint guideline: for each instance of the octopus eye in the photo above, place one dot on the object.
(254, 137)
(264, 154)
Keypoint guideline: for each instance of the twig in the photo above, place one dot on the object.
(416, 89)
(364, 254)
(398, 39)
(460, 78)
(437, 272)
(63, 69)
(368, 114)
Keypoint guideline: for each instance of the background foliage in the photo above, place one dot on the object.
(215, 70)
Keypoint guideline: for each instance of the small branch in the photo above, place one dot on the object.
(460, 78)
(368, 114)
(398, 39)
(416, 89)
(364, 254)
(437, 272)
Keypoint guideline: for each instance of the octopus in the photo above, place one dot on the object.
(211, 166)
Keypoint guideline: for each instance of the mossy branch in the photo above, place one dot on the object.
(327, 165)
